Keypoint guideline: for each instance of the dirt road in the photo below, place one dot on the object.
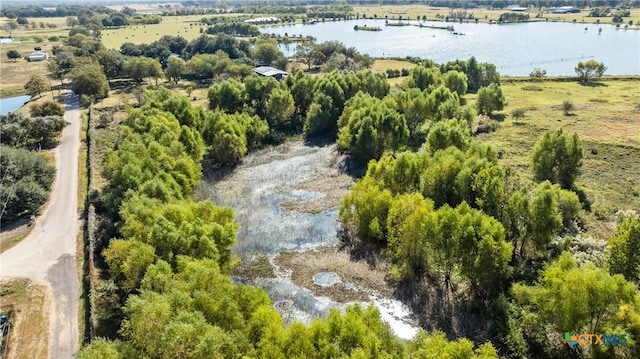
(48, 254)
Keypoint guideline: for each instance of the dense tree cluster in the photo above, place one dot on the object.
(34, 132)
(450, 217)
(26, 179)
(168, 267)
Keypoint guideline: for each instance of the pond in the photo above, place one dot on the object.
(265, 193)
(515, 49)
(11, 104)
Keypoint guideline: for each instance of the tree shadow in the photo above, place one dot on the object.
(500, 117)
(595, 84)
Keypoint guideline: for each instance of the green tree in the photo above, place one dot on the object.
(266, 52)
(456, 82)
(366, 207)
(422, 77)
(89, 80)
(448, 133)
(27, 179)
(584, 298)
(48, 108)
(557, 157)
(589, 70)
(176, 68)
(140, 67)
(280, 106)
(624, 249)
(229, 142)
(111, 62)
(490, 99)
(308, 53)
(13, 55)
(228, 96)
(373, 129)
(258, 89)
(36, 85)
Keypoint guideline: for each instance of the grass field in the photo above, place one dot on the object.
(16, 73)
(24, 302)
(607, 119)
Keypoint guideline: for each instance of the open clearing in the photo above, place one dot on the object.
(24, 302)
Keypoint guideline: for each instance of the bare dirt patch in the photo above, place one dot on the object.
(358, 278)
(333, 187)
(26, 305)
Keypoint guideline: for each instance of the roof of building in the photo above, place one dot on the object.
(39, 53)
(269, 71)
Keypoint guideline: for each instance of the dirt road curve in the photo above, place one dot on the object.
(48, 254)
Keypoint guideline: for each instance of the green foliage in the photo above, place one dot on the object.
(111, 62)
(89, 80)
(436, 345)
(367, 207)
(490, 99)
(456, 82)
(228, 96)
(624, 249)
(446, 134)
(227, 139)
(280, 107)
(557, 157)
(195, 229)
(589, 70)
(140, 67)
(36, 85)
(102, 348)
(48, 108)
(370, 130)
(26, 180)
(150, 158)
(21, 131)
(258, 89)
(176, 67)
(584, 299)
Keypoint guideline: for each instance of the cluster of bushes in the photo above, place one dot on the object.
(392, 73)
(26, 175)
(513, 17)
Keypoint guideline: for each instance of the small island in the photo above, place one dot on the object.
(365, 28)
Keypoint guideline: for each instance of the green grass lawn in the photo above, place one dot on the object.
(607, 119)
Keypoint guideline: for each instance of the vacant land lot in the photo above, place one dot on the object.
(607, 119)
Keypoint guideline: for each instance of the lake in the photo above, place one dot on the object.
(515, 49)
(11, 104)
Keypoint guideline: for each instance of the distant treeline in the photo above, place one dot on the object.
(440, 3)
(58, 11)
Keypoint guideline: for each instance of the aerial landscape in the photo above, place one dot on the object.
(320, 179)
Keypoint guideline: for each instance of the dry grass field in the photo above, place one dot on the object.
(607, 119)
(25, 303)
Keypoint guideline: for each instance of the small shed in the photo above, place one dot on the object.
(269, 71)
(38, 56)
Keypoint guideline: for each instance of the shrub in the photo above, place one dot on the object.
(48, 108)
(567, 107)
